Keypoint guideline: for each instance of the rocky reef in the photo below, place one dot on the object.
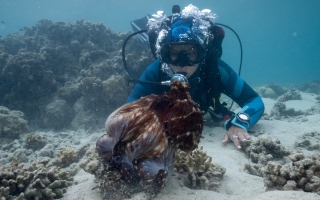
(12, 123)
(57, 73)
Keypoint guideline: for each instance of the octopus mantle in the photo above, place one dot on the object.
(142, 137)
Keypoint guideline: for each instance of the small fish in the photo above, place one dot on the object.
(21, 29)
(2, 22)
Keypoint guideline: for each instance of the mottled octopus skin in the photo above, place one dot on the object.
(142, 137)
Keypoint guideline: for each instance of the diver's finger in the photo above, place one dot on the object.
(225, 139)
(247, 136)
(235, 140)
(242, 137)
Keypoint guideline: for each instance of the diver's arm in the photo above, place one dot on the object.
(141, 89)
(236, 88)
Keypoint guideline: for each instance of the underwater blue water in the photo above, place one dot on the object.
(280, 38)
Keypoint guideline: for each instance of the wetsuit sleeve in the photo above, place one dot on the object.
(140, 90)
(238, 90)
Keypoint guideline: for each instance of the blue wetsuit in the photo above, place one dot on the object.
(232, 85)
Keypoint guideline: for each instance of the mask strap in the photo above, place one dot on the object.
(169, 35)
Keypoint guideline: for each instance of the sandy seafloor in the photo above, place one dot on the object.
(236, 183)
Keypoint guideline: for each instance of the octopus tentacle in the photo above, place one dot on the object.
(148, 168)
(104, 147)
(121, 161)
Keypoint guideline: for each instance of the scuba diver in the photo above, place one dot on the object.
(189, 44)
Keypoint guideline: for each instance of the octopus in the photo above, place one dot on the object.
(143, 137)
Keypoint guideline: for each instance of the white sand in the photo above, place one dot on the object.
(236, 184)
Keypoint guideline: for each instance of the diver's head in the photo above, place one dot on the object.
(182, 41)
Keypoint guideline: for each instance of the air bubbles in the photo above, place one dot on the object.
(206, 10)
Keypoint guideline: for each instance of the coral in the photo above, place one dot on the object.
(312, 86)
(26, 83)
(65, 157)
(91, 89)
(276, 88)
(85, 118)
(303, 173)
(3, 60)
(197, 171)
(309, 141)
(13, 43)
(58, 114)
(90, 163)
(69, 92)
(266, 92)
(33, 181)
(92, 104)
(68, 155)
(35, 142)
(79, 63)
(271, 91)
(60, 60)
(114, 89)
(290, 95)
(279, 110)
(313, 110)
(261, 151)
(12, 123)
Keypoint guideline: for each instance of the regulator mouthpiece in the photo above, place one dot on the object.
(175, 77)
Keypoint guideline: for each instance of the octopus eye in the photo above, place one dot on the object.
(117, 160)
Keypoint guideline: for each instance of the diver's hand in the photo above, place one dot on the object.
(236, 134)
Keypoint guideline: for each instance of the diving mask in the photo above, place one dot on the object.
(182, 54)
